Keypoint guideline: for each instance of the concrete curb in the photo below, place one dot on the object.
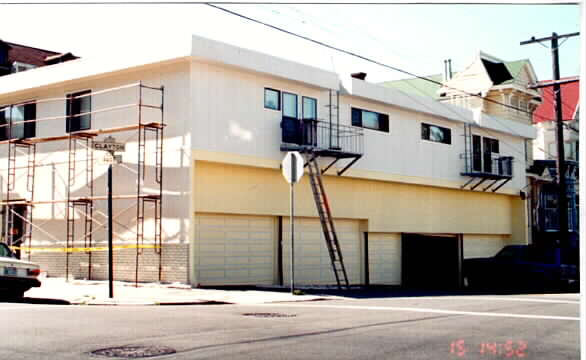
(94, 293)
(176, 302)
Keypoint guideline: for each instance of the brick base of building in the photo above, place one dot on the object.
(174, 264)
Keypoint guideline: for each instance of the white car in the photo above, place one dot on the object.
(16, 276)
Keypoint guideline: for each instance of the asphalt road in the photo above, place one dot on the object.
(440, 327)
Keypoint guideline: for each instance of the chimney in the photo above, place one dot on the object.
(359, 75)
(447, 70)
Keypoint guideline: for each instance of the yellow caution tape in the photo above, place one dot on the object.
(86, 249)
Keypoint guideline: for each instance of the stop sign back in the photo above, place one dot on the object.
(292, 166)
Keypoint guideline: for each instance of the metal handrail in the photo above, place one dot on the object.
(499, 165)
(322, 135)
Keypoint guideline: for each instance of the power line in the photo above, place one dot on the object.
(413, 85)
(366, 59)
(382, 3)
(215, 3)
(415, 99)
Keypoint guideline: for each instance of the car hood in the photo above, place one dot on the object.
(17, 262)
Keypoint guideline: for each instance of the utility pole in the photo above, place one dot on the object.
(561, 156)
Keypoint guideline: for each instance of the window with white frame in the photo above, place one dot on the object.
(515, 102)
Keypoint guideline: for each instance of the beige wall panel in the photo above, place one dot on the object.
(384, 258)
(312, 260)
(520, 225)
(476, 245)
(231, 249)
(388, 207)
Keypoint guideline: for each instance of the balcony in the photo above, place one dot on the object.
(321, 138)
(494, 167)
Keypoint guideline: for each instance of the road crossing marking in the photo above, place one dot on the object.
(553, 301)
(429, 310)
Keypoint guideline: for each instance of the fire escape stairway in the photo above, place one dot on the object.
(327, 222)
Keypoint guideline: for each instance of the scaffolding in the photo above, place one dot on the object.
(80, 207)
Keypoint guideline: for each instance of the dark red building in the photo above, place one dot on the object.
(16, 57)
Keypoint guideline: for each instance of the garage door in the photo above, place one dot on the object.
(234, 250)
(483, 245)
(384, 258)
(312, 261)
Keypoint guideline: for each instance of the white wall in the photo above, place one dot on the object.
(52, 157)
(230, 118)
(229, 114)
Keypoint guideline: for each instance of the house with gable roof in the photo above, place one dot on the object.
(490, 85)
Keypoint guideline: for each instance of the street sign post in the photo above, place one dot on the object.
(292, 166)
(111, 146)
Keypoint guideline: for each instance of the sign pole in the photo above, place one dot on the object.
(292, 196)
(111, 146)
(110, 250)
(292, 167)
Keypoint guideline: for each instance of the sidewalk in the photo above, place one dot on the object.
(91, 292)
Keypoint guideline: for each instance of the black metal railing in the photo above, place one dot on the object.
(321, 135)
(487, 165)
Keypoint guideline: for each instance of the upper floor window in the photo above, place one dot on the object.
(19, 116)
(484, 153)
(523, 106)
(289, 105)
(515, 102)
(309, 108)
(272, 99)
(370, 120)
(436, 133)
(79, 106)
(18, 67)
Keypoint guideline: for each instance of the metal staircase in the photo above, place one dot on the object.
(327, 222)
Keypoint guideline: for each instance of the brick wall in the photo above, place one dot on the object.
(174, 260)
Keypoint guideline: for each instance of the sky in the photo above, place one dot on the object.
(413, 38)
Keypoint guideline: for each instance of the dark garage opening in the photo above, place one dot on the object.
(431, 261)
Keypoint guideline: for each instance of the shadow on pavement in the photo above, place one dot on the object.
(38, 301)
(377, 292)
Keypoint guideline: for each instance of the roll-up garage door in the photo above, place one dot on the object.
(234, 249)
(384, 258)
(312, 261)
(476, 245)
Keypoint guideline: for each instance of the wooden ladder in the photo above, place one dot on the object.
(327, 222)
